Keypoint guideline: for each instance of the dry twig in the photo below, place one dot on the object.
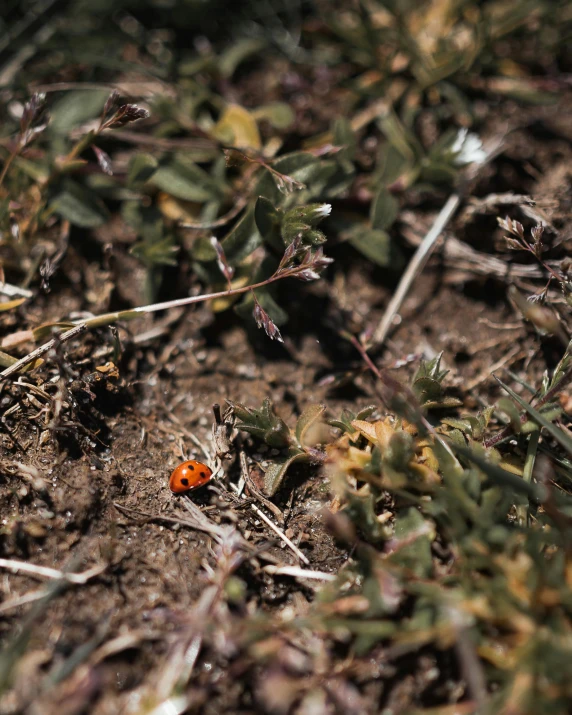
(46, 572)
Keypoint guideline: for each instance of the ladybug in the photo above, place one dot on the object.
(188, 476)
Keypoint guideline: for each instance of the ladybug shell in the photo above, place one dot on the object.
(189, 475)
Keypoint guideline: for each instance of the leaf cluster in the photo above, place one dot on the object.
(265, 425)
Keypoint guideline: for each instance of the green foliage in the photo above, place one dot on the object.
(265, 425)
(427, 385)
(78, 205)
(499, 562)
(262, 423)
(347, 417)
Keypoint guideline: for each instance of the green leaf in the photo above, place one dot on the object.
(400, 138)
(361, 510)
(373, 244)
(76, 108)
(384, 209)
(509, 408)
(427, 389)
(364, 413)
(344, 137)
(311, 414)
(268, 220)
(80, 207)
(439, 172)
(498, 475)
(7, 361)
(277, 471)
(411, 544)
(240, 50)
(279, 114)
(202, 250)
(242, 240)
(186, 181)
(156, 253)
(392, 165)
(263, 423)
(559, 435)
(141, 169)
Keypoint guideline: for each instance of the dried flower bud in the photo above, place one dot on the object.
(307, 276)
(537, 232)
(291, 251)
(565, 400)
(286, 184)
(514, 227)
(513, 244)
(126, 114)
(225, 269)
(111, 104)
(234, 157)
(320, 261)
(103, 160)
(34, 119)
(264, 321)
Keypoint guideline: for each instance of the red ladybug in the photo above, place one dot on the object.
(188, 476)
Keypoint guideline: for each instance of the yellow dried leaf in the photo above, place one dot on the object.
(383, 432)
(177, 209)
(367, 429)
(358, 458)
(429, 459)
(237, 127)
(109, 368)
(513, 465)
(9, 304)
(498, 654)
(428, 476)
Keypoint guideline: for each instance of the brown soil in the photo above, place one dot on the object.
(105, 497)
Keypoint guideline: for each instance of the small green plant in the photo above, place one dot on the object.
(427, 385)
(266, 426)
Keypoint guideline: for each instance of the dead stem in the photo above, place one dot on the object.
(297, 572)
(110, 318)
(415, 267)
(46, 572)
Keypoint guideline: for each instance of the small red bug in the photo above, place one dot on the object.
(188, 476)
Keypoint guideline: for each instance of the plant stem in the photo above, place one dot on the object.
(107, 318)
(7, 164)
(415, 267)
(522, 510)
(99, 321)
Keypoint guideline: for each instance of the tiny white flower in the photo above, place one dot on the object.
(324, 210)
(468, 149)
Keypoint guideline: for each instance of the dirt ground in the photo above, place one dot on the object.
(91, 487)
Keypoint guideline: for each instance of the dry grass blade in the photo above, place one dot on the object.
(45, 572)
(414, 268)
(297, 572)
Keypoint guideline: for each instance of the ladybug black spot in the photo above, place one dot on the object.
(203, 475)
(192, 466)
(185, 482)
